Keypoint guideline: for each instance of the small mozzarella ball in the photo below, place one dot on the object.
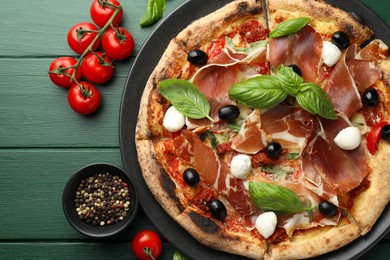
(266, 224)
(241, 166)
(330, 53)
(173, 120)
(349, 138)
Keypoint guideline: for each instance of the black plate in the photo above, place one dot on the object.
(143, 66)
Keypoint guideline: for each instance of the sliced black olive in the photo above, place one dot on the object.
(273, 150)
(296, 69)
(341, 40)
(327, 209)
(191, 176)
(228, 112)
(385, 133)
(370, 97)
(217, 209)
(197, 57)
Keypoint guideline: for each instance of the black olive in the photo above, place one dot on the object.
(385, 133)
(370, 97)
(273, 150)
(327, 209)
(296, 69)
(191, 176)
(228, 112)
(197, 57)
(217, 209)
(341, 40)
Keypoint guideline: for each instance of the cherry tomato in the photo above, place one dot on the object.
(374, 136)
(84, 98)
(101, 12)
(118, 44)
(60, 75)
(145, 244)
(81, 35)
(97, 67)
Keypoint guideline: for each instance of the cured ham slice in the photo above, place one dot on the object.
(303, 48)
(329, 169)
(376, 50)
(214, 171)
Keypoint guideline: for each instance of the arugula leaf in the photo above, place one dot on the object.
(289, 80)
(289, 27)
(154, 12)
(313, 98)
(235, 127)
(186, 98)
(275, 170)
(258, 92)
(272, 197)
(213, 140)
(292, 156)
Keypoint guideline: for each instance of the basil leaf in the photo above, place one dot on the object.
(272, 197)
(252, 48)
(234, 127)
(289, 80)
(186, 98)
(154, 12)
(292, 156)
(177, 255)
(313, 98)
(289, 27)
(258, 92)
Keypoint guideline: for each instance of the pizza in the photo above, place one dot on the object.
(263, 129)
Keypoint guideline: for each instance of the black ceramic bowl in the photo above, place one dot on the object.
(69, 195)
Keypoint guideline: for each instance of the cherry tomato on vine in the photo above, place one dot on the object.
(101, 12)
(145, 244)
(97, 67)
(118, 44)
(84, 98)
(60, 75)
(81, 35)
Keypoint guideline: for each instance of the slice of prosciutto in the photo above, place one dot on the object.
(213, 170)
(303, 48)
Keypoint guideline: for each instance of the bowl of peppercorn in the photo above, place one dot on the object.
(100, 200)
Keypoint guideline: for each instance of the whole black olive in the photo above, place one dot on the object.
(341, 40)
(197, 57)
(228, 112)
(296, 69)
(327, 209)
(385, 133)
(191, 176)
(273, 150)
(217, 209)
(370, 97)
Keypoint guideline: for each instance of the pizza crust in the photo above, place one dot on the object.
(326, 19)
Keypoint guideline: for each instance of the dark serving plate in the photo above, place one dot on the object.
(143, 66)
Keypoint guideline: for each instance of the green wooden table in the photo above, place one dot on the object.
(43, 142)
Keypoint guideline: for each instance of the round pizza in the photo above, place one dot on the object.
(264, 129)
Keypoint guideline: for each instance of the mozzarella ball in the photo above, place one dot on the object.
(266, 224)
(330, 53)
(241, 166)
(173, 120)
(349, 138)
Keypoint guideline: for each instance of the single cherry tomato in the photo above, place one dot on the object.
(145, 244)
(97, 67)
(60, 71)
(102, 10)
(118, 44)
(374, 136)
(81, 35)
(84, 98)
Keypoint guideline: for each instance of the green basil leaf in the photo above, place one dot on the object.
(186, 98)
(292, 156)
(234, 127)
(313, 98)
(177, 255)
(258, 92)
(272, 197)
(289, 80)
(289, 27)
(252, 48)
(154, 12)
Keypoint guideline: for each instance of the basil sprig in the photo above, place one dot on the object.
(186, 98)
(272, 197)
(289, 27)
(154, 12)
(268, 91)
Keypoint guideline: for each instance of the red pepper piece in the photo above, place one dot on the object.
(374, 136)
